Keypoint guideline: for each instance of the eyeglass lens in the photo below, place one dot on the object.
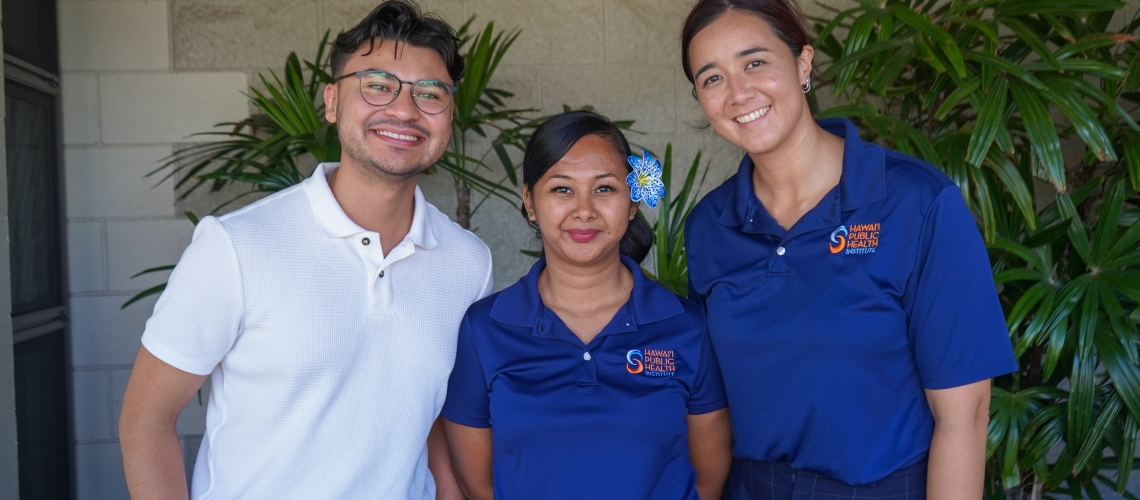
(379, 89)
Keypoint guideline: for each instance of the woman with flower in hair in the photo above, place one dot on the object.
(848, 291)
(585, 379)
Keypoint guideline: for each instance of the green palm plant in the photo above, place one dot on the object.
(1030, 106)
(670, 262)
(481, 110)
(264, 149)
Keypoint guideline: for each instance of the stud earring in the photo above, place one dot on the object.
(807, 86)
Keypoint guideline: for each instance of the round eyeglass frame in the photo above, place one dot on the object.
(360, 88)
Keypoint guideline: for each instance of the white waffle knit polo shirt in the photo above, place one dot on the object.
(328, 361)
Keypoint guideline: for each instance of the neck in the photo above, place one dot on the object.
(574, 287)
(384, 206)
(801, 170)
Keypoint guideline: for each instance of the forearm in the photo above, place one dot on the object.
(471, 459)
(439, 463)
(957, 459)
(152, 456)
(710, 451)
(152, 460)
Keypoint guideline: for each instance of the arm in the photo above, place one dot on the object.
(152, 456)
(956, 468)
(439, 463)
(710, 451)
(471, 458)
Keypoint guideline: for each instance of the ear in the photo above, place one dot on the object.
(804, 61)
(528, 202)
(633, 210)
(331, 98)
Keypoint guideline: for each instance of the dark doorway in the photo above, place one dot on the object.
(36, 240)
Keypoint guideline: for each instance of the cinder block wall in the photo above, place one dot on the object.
(140, 76)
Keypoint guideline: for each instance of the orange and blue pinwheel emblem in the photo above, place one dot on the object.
(645, 180)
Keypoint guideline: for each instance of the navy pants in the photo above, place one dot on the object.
(755, 480)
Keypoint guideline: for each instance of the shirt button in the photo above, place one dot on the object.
(780, 251)
(586, 356)
(381, 274)
(365, 241)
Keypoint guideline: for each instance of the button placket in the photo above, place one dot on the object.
(778, 259)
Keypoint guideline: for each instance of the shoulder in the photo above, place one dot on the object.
(452, 238)
(282, 207)
(906, 175)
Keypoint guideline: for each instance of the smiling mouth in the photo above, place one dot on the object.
(753, 116)
(583, 235)
(402, 137)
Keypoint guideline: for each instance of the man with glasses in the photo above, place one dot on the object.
(326, 315)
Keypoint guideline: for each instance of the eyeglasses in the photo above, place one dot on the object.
(380, 88)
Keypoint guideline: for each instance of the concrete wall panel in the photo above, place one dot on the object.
(99, 472)
(103, 335)
(645, 32)
(236, 34)
(92, 173)
(92, 418)
(80, 94)
(522, 81)
(113, 35)
(86, 257)
(168, 107)
(553, 31)
(133, 246)
(642, 93)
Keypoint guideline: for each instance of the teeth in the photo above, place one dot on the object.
(753, 115)
(397, 136)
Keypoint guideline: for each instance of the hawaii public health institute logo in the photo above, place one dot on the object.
(860, 238)
(652, 362)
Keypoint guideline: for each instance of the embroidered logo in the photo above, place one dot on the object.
(838, 243)
(858, 239)
(651, 362)
(633, 361)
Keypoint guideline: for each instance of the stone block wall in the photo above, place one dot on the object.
(124, 106)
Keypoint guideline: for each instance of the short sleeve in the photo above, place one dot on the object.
(488, 283)
(707, 393)
(955, 323)
(199, 316)
(468, 398)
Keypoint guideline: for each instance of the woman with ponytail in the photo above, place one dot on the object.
(585, 379)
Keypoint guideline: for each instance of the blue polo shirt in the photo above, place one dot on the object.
(571, 420)
(829, 332)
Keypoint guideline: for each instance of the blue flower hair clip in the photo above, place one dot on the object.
(645, 180)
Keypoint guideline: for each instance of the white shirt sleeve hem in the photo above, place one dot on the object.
(172, 358)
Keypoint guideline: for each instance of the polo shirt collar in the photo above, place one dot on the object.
(334, 222)
(862, 182)
(521, 305)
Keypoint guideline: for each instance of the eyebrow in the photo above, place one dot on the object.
(564, 176)
(743, 53)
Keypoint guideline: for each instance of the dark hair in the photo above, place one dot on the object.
(554, 138)
(784, 16)
(401, 21)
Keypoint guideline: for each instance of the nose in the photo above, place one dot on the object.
(584, 208)
(403, 107)
(739, 89)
